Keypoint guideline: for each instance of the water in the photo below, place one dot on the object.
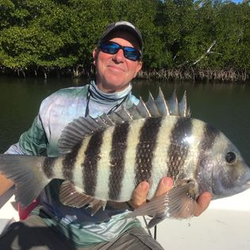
(226, 106)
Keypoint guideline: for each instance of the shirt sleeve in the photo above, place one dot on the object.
(31, 142)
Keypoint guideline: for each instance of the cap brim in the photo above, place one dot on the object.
(131, 30)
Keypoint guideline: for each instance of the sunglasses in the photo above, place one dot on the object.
(112, 48)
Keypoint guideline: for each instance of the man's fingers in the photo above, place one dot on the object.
(203, 202)
(140, 194)
(164, 186)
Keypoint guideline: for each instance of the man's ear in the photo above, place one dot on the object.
(95, 55)
(138, 68)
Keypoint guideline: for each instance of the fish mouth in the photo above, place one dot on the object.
(244, 181)
(247, 185)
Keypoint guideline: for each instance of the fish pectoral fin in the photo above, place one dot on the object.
(178, 203)
(73, 197)
(181, 201)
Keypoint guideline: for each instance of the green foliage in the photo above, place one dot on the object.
(56, 35)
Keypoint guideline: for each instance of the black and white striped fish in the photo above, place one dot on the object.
(104, 159)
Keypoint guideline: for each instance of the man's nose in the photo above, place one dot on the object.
(119, 56)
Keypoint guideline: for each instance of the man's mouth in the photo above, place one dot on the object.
(116, 68)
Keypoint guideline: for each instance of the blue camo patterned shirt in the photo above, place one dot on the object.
(55, 112)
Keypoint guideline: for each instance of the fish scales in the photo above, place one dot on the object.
(160, 158)
(54, 167)
(172, 153)
(194, 152)
(58, 167)
(90, 162)
(78, 173)
(103, 165)
(179, 147)
(209, 138)
(133, 139)
(210, 135)
(117, 159)
(148, 157)
(47, 167)
(145, 149)
(68, 163)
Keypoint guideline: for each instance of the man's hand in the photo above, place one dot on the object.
(5, 184)
(140, 195)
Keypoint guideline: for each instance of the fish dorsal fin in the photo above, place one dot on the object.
(172, 104)
(143, 109)
(82, 127)
(184, 110)
(152, 106)
(160, 107)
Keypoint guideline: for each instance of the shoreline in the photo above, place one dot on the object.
(199, 75)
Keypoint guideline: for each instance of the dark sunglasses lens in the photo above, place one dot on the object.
(131, 53)
(110, 48)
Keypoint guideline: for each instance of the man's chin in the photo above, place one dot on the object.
(112, 86)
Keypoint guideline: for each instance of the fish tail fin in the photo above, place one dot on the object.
(26, 173)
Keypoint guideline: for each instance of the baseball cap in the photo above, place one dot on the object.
(123, 25)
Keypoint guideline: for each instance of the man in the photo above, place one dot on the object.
(53, 225)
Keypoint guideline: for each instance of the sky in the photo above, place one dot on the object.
(237, 1)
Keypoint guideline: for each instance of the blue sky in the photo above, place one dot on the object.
(237, 1)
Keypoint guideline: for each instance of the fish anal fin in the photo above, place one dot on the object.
(73, 197)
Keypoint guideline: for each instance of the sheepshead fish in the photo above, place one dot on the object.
(105, 158)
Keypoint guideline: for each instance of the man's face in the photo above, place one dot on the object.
(114, 72)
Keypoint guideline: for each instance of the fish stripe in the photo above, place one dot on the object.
(179, 148)
(102, 183)
(160, 168)
(92, 156)
(117, 159)
(145, 149)
(77, 173)
(48, 166)
(193, 154)
(68, 163)
(210, 135)
(128, 182)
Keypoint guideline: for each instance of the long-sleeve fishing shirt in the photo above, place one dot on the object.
(55, 112)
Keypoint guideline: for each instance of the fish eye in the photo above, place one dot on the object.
(230, 157)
